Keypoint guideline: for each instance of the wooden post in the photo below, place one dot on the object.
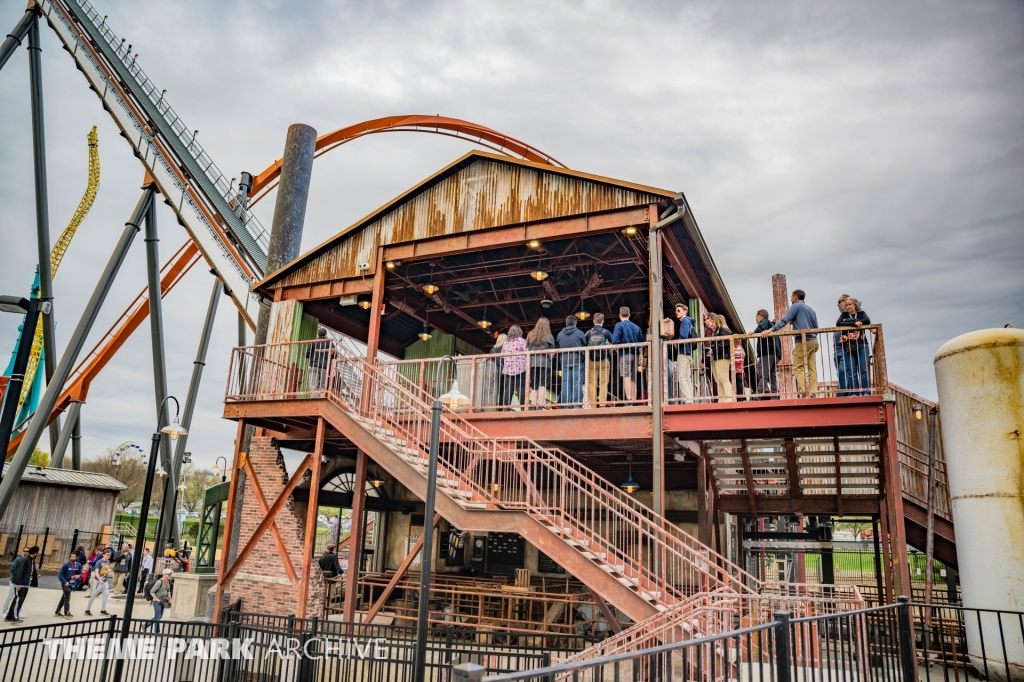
(355, 547)
(399, 574)
(784, 368)
(377, 301)
(703, 513)
(229, 526)
(894, 505)
(311, 515)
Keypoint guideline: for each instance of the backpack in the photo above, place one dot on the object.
(147, 592)
(598, 337)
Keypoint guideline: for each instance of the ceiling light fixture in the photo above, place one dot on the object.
(484, 323)
(539, 273)
(533, 243)
(582, 314)
(391, 264)
(364, 304)
(425, 335)
(629, 485)
(630, 231)
(430, 289)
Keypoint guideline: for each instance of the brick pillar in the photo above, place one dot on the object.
(262, 582)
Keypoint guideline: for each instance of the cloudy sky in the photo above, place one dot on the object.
(873, 148)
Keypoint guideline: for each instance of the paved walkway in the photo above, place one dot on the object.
(41, 603)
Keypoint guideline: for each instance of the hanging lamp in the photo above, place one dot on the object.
(484, 323)
(629, 485)
(582, 314)
(376, 481)
(539, 273)
(430, 288)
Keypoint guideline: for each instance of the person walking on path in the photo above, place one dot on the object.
(805, 353)
(21, 575)
(540, 339)
(855, 348)
(69, 576)
(161, 593)
(600, 363)
(104, 579)
(571, 336)
(684, 359)
(514, 371)
(122, 564)
(768, 353)
(627, 332)
(145, 569)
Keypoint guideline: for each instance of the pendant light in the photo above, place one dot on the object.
(364, 304)
(484, 323)
(629, 485)
(582, 314)
(539, 273)
(430, 288)
(425, 334)
(376, 481)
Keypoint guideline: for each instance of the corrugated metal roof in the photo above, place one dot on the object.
(477, 192)
(68, 477)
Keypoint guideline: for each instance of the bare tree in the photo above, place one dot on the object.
(129, 469)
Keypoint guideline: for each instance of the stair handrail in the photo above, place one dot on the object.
(508, 465)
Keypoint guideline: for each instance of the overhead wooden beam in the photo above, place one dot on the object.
(376, 308)
(229, 526)
(749, 475)
(355, 549)
(682, 268)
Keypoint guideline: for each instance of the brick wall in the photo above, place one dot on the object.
(262, 582)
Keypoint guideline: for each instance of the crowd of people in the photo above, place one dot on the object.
(102, 572)
(603, 366)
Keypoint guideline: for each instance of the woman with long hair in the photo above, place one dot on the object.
(492, 379)
(540, 339)
(514, 369)
(855, 346)
(722, 360)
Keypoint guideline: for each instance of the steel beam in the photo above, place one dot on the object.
(355, 548)
(803, 416)
(14, 38)
(312, 507)
(70, 424)
(771, 505)
(35, 69)
(74, 347)
(76, 444)
(231, 529)
(655, 379)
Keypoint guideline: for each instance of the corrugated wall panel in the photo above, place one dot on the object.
(483, 195)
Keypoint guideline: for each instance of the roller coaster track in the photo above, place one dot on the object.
(223, 231)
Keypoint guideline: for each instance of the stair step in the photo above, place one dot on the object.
(650, 596)
(474, 505)
(596, 556)
(627, 582)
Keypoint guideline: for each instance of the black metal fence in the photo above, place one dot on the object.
(873, 645)
(955, 643)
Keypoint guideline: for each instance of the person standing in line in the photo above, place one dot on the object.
(855, 347)
(707, 379)
(838, 352)
(69, 576)
(104, 579)
(684, 360)
(600, 363)
(514, 371)
(492, 374)
(161, 593)
(540, 339)
(122, 564)
(571, 394)
(626, 331)
(768, 353)
(20, 576)
(805, 353)
(145, 569)
(319, 355)
(329, 563)
(721, 361)
(739, 357)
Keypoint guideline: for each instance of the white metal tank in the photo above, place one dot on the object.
(980, 378)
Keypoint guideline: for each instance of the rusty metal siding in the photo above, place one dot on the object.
(482, 195)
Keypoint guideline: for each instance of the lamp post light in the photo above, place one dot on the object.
(453, 399)
(173, 430)
(30, 308)
(223, 469)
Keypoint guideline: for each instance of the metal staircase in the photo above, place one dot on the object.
(634, 558)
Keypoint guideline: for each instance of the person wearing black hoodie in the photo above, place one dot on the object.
(571, 394)
(769, 350)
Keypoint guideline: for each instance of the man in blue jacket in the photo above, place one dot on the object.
(571, 336)
(684, 360)
(627, 332)
(69, 576)
(805, 354)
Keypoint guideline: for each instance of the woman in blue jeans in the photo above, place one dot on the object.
(856, 353)
(161, 593)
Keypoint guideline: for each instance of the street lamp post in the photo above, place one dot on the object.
(30, 308)
(453, 399)
(173, 430)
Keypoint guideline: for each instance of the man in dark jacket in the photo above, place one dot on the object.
(627, 332)
(69, 576)
(571, 336)
(769, 350)
(683, 365)
(122, 564)
(329, 563)
(319, 355)
(21, 577)
(600, 364)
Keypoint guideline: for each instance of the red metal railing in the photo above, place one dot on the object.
(664, 564)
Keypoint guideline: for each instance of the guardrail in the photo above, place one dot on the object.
(828, 362)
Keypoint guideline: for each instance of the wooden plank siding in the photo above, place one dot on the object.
(64, 508)
(480, 191)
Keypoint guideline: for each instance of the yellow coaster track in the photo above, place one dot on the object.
(58, 251)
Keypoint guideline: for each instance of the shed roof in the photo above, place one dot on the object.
(478, 191)
(69, 478)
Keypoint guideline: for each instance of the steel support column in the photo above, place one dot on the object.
(311, 514)
(70, 424)
(356, 541)
(377, 300)
(168, 527)
(76, 444)
(231, 529)
(193, 384)
(654, 378)
(14, 38)
(35, 69)
(894, 505)
(10, 406)
(74, 347)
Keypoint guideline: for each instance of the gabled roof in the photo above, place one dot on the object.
(448, 202)
(69, 478)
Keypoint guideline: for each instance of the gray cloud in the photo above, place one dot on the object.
(875, 148)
